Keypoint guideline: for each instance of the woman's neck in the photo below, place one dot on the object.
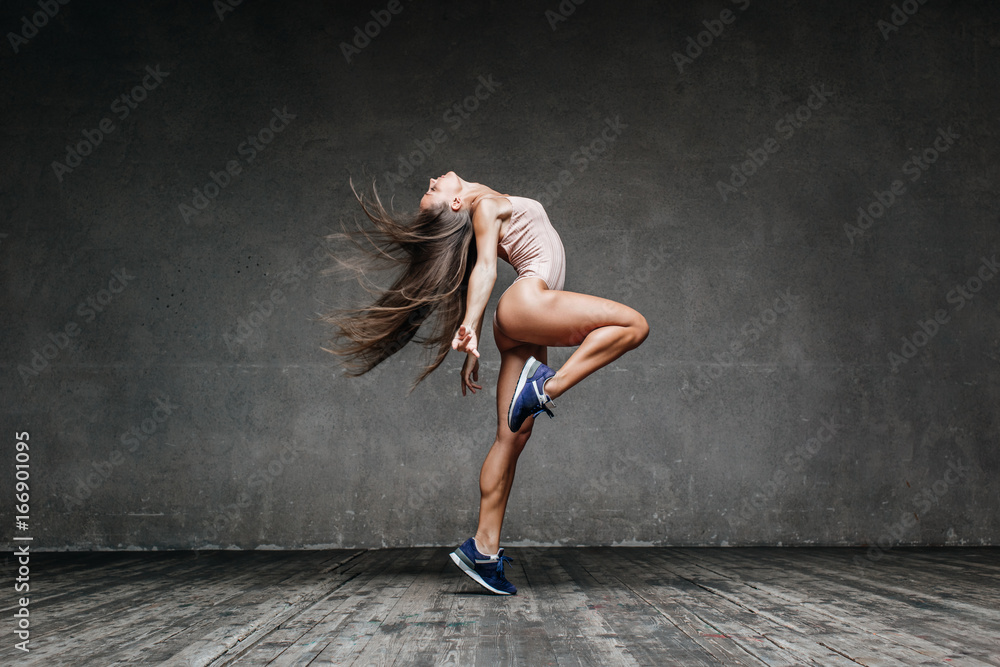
(476, 191)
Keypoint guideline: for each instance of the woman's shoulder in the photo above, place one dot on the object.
(500, 205)
(523, 201)
(517, 201)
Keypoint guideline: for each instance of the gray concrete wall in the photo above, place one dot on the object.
(167, 365)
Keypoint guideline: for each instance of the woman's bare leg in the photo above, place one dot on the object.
(497, 474)
(529, 318)
(604, 329)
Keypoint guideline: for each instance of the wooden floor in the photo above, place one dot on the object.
(594, 606)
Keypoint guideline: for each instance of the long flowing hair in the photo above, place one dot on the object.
(437, 253)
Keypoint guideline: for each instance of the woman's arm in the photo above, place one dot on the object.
(486, 223)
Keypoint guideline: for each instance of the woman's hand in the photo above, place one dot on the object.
(465, 341)
(470, 374)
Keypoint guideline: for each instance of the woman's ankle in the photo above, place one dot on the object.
(482, 547)
(551, 387)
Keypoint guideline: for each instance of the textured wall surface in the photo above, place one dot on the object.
(800, 197)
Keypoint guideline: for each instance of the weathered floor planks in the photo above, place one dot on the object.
(575, 606)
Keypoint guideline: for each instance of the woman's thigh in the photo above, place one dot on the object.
(529, 312)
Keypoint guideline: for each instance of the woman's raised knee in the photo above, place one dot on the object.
(640, 330)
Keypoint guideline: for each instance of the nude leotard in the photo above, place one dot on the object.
(531, 245)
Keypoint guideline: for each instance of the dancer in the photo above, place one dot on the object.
(449, 252)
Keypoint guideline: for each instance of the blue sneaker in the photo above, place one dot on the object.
(487, 571)
(530, 399)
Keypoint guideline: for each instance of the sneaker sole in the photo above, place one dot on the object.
(526, 372)
(472, 573)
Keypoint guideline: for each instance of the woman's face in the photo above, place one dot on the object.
(443, 190)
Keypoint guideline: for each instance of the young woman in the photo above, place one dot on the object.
(450, 252)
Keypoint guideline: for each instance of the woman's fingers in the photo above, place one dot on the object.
(462, 339)
(470, 374)
(465, 340)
